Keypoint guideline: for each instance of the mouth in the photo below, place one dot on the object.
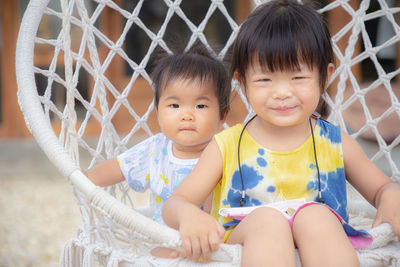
(284, 109)
(187, 129)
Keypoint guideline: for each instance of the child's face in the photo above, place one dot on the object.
(283, 98)
(188, 113)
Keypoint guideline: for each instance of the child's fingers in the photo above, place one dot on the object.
(396, 229)
(377, 220)
(182, 254)
(187, 247)
(395, 225)
(196, 248)
(205, 248)
(214, 241)
(221, 231)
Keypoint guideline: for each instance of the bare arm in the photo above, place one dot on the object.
(200, 232)
(195, 188)
(372, 183)
(360, 171)
(106, 173)
(207, 205)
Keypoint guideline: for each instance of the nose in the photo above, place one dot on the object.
(282, 91)
(187, 116)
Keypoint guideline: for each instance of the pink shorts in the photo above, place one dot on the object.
(361, 240)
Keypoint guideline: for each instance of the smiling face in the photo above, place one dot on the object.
(283, 98)
(188, 114)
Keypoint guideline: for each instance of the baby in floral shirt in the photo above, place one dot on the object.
(192, 100)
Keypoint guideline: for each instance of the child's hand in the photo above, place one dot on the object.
(201, 234)
(389, 208)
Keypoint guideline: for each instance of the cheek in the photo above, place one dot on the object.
(209, 122)
(163, 118)
(312, 97)
(257, 97)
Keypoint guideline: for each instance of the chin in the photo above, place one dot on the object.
(286, 122)
(186, 142)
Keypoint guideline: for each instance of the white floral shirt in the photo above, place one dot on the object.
(152, 165)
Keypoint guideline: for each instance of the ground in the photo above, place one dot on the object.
(38, 212)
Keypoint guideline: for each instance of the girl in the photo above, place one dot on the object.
(192, 101)
(282, 58)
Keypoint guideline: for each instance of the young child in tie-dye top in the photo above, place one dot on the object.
(192, 101)
(283, 60)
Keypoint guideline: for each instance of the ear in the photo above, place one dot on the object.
(237, 78)
(241, 82)
(331, 69)
(222, 121)
(236, 75)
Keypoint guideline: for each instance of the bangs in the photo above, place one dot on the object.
(284, 48)
(281, 37)
(193, 67)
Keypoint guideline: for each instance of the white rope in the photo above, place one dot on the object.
(72, 142)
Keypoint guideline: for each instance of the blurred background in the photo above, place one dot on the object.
(37, 209)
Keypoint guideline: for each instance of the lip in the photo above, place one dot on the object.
(284, 109)
(187, 129)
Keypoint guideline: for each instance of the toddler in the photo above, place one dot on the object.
(192, 101)
(283, 59)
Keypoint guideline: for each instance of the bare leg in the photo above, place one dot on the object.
(266, 238)
(321, 240)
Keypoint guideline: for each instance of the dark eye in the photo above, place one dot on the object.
(174, 105)
(200, 106)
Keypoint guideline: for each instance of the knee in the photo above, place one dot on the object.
(266, 217)
(260, 223)
(315, 217)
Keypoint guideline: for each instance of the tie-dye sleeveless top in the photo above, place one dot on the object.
(271, 176)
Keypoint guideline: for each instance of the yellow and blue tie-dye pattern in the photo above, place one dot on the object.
(271, 176)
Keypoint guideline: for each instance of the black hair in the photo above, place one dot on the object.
(195, 63)
(283, 34)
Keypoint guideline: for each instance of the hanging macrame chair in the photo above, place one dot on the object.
(114, 232)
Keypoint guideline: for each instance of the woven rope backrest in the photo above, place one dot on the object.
(113, 113)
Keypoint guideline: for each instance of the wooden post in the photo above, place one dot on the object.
(243, 8)
(13, 124)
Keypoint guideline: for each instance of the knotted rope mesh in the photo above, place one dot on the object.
(85, 102)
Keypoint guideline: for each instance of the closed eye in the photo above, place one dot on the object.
(299, 77)
(264, 80)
